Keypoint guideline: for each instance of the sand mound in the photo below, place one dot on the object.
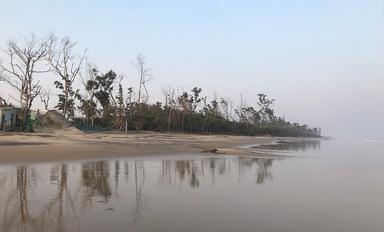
(54, 122)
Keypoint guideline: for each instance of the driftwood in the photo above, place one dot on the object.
(214, 150)
(3, 102)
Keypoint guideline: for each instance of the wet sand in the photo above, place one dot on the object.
(34, 147)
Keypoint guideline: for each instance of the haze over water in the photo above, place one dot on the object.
(329, 185)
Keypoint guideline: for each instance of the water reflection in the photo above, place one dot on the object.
(56, 197)
(16, 212)
(302, 145)
(263, 170)
(61, 206)
(95, 180)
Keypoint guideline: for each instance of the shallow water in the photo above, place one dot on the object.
(322, 186)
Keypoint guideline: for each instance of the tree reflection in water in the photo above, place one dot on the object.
(263, 167)
(95, 180)
(36, 200)
(16, 212)
(139, 185)
(61, 205)
(191, 171)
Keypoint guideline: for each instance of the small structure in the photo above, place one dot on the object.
(8, 118)
(34, 115)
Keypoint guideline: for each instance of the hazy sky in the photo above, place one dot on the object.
(322, 60)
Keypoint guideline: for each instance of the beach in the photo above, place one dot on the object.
(37, 147)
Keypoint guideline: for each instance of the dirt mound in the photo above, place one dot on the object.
(54, 122)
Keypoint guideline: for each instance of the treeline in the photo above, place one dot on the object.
(103, 102)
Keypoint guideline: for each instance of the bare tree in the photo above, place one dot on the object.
(145, 76)
(25, 61)
(45, 96)
(241, 110)
(170, 104)
(123, 106)
(227, 107)
(88, 101)
(67, 66)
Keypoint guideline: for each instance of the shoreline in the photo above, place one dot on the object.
(37, 147)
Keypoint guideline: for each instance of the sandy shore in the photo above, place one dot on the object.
(16, 147)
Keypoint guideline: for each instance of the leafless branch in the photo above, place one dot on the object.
(25, 59)
(145, 76)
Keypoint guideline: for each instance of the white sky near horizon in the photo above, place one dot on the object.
(322, 60)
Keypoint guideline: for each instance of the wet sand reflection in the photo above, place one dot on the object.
(59, 197)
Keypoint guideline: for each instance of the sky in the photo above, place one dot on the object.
(322, 60)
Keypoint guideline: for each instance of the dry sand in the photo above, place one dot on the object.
(26, 148)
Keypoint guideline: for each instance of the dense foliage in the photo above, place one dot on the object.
(104, 108)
